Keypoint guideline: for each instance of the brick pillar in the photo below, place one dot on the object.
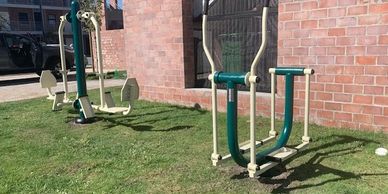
(155, 50)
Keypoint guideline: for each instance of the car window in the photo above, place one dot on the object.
(17, 41)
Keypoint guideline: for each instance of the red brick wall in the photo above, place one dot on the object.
(346, 43)
(113, 49)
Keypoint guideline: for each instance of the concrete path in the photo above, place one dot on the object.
(27, 86)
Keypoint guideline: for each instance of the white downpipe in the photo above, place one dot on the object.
(63, 57)
(99, 59)
(252, 165)
(214, 89)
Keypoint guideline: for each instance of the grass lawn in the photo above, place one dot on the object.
(161, 148)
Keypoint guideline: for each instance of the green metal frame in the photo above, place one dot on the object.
(234, 79)
(79, 57)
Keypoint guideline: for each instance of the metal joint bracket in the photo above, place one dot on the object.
(306, 139)
(62, 18)
(88, 15)
(80, 15)
(271, 70)
(253, 79)
(309, 71)
(216, 158)
(252, 170)
(211, 76)
(247, 76)
(273, 133)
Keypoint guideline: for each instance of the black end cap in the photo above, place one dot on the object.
(205, 7)
(266, 3)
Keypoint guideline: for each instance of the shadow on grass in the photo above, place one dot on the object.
(313, 168)
(145, 122)
(113, 122)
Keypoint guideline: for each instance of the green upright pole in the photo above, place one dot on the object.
(288, 112)
(231, 122)
(79, 58)
(288, 119)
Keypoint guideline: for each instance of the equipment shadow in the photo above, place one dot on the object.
(148, 122)
(281, 178)
(113, 122)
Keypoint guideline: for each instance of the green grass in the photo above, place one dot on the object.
(109, 75)
(161, 148)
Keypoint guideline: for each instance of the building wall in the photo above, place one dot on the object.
(14, 19)
(34, 26)
(159, 53)
(113, 48)
(344, 41)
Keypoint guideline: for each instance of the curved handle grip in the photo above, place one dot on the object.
(205, 7)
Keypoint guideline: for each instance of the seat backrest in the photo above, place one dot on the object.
(130, 90)
(47, 79)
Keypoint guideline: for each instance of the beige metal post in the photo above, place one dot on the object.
(306, 137)
(252, 166)
(215, 156)
(63, 58)
(91, 16)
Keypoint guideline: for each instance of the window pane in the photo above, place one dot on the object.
(114, 14)
(234, 34)
(51, 19)
(23, 18)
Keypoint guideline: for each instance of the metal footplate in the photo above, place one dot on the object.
(279, 156)
(58, 101)
(245, 146)
(86, 107)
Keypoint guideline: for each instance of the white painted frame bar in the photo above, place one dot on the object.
(62, 24)
(252, 166)
(215, 157)
(308, 73)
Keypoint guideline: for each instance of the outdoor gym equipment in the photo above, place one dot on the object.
(48, 81)
(268, 158)
(82, 104)
(130, 89)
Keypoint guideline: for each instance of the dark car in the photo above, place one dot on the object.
(20, 54)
